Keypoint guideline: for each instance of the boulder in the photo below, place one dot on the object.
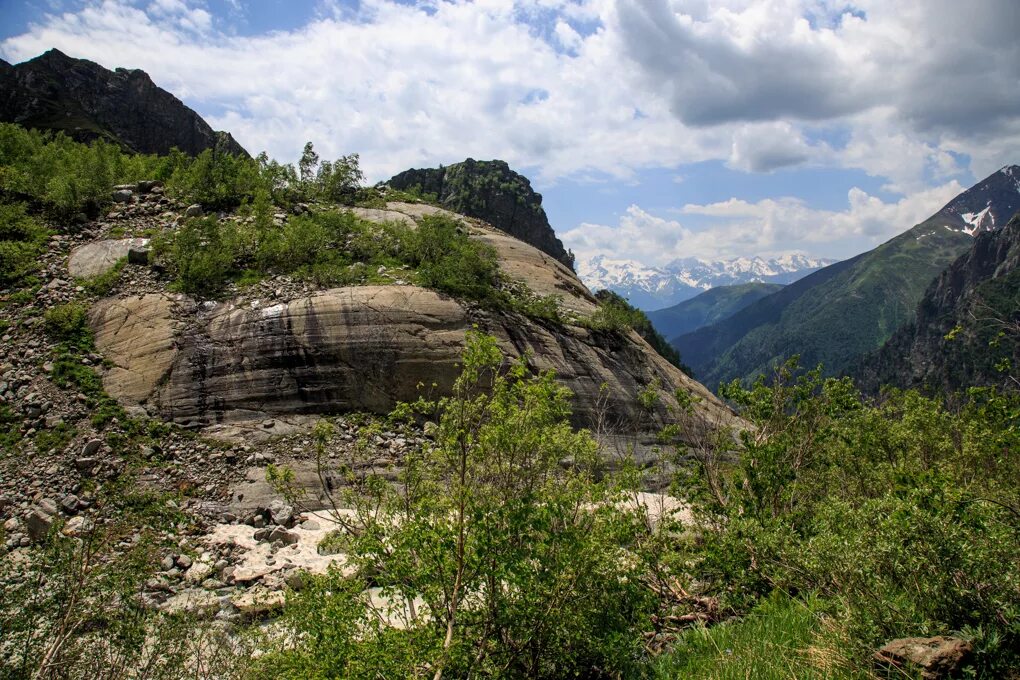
(935, 657)
(138, 255)
(97, 258)
(38, 523)
(194, 210)
(122, 196)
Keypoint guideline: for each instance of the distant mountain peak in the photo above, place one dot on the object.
(649, 287)
(986, 206)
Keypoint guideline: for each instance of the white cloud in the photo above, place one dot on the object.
(736, 227)
(583, 88)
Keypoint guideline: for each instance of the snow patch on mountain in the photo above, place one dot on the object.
(657, 287)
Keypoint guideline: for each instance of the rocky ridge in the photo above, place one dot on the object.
(87, 102)
(493, 193)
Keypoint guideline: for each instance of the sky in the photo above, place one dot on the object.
(654, 129)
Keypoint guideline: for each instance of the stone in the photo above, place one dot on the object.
(280, 513)
(47, 505)
(76, 526)
(38, 523)
(138, 255)
(934, 657)
(281, 534)
(259, 601)
(122, 196)
(69, 504)
(184, 562)
(194, 210)
(85, 466)
(91, 448)
(168, 563)
(99, 257)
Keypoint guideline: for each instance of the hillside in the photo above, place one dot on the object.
(86, 101)
(966, 330)
(489, 191)
(846, 310)
(712, 306)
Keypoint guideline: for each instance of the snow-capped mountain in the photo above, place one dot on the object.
(985, 206)
(651, 288)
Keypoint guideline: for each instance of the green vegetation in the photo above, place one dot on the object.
(69, 324)
(901, 517)
(615, 314)
(22, 240)
(709, 307)
(780, 638)
(498, 561)
(833, 317)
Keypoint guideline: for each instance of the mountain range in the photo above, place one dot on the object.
(712, 306)
(86, 101)
(967, 326)
(653, 288)
(839, 313)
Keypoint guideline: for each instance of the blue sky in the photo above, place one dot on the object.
(654, 129)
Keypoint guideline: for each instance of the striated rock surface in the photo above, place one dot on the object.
(254, 367)
(87, 102)
(490, 191)
(99, 257)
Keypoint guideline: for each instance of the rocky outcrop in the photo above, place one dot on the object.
(86, 102)
(367, 347)
(490, 191)
(955, 339)
(97, 258)
(933, 658)
(355, 348)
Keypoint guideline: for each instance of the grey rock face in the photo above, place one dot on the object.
(490, 191)
(87, 102)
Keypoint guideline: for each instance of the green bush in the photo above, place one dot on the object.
(449, 261)
(65, 177)
(904, 515)
(69, 323)
(22, 240)
(523, 566)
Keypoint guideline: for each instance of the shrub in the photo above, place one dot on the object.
(22, 239)
(903, 516)
(522, 565)
(450, 262)
(69, 323)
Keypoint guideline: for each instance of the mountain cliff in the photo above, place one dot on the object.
(967, 326)
(844, 311)
(489, 191)
(86, 102)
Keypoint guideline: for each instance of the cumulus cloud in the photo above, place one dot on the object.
(736, 227)
(912, 92)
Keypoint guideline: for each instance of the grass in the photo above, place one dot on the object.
(103, 285)
(781, 638)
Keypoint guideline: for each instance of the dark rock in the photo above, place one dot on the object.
(91, 447)
(69, 504)
(935, 658)
(138, 255)
(281, 534)
(122, 196)
(194, 211)
(490, 191)
(87, 102)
